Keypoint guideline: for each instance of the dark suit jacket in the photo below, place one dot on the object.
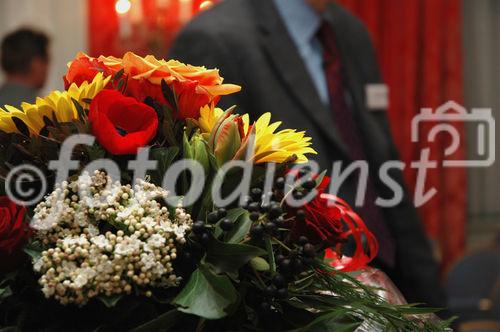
(248, 42)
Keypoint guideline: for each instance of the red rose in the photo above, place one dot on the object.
(328, 222)
(84, 68)
(13, 233)
(323, 223)
(121, 124)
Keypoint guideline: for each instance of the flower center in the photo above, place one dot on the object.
(121, 131)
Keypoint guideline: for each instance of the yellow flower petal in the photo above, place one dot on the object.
(57, 103)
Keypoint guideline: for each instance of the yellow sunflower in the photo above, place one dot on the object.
(57, 104)
(270, 145)
(277, 147)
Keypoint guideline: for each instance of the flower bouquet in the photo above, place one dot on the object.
(134, 203)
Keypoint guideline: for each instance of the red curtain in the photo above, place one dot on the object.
(419, 48)
(148, 28)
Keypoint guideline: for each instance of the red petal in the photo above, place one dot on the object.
(110, 110)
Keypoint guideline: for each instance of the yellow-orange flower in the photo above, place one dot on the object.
(194, 86)
(57, 104)
(223, 129)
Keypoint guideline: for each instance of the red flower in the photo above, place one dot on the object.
(191, 96)
(355, 228)
(121, 124)
(323, 223)
(194, 86)
(84, 68)
(13, 233)
(142, 88)
(328, 222)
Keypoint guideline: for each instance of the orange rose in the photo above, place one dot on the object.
(84, 68)
(194, 86)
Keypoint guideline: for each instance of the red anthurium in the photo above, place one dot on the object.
(121, 124)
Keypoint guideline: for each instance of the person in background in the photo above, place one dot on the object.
(25, 61)
(312, 64)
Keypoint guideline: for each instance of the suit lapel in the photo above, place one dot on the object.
(291, 70)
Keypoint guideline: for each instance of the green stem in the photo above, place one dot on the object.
(201, 325)
(269, 247)
(304, 279)
(281, 244)
(286, 195)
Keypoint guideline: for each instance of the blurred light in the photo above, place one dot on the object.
(122, 6)
(206, 4)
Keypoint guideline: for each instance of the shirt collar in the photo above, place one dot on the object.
(300, 19)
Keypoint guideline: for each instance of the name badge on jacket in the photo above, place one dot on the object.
(377, 96)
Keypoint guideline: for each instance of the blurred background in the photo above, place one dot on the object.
(430, 51)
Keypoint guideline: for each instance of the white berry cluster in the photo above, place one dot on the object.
(106, 239)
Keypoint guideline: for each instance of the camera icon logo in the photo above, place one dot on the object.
(450, 112)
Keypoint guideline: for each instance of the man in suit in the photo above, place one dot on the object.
(309, 63)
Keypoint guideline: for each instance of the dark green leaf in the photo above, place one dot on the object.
(169, 95)
(34, 249)
(110, 301)
(165, 158)
(5, 292)
(242, 224)
(79, 109)
(168, 127)
(334, 321)
(120, 85)
(95, 152)
(118, 74)
(230, 257)
(207, 295)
